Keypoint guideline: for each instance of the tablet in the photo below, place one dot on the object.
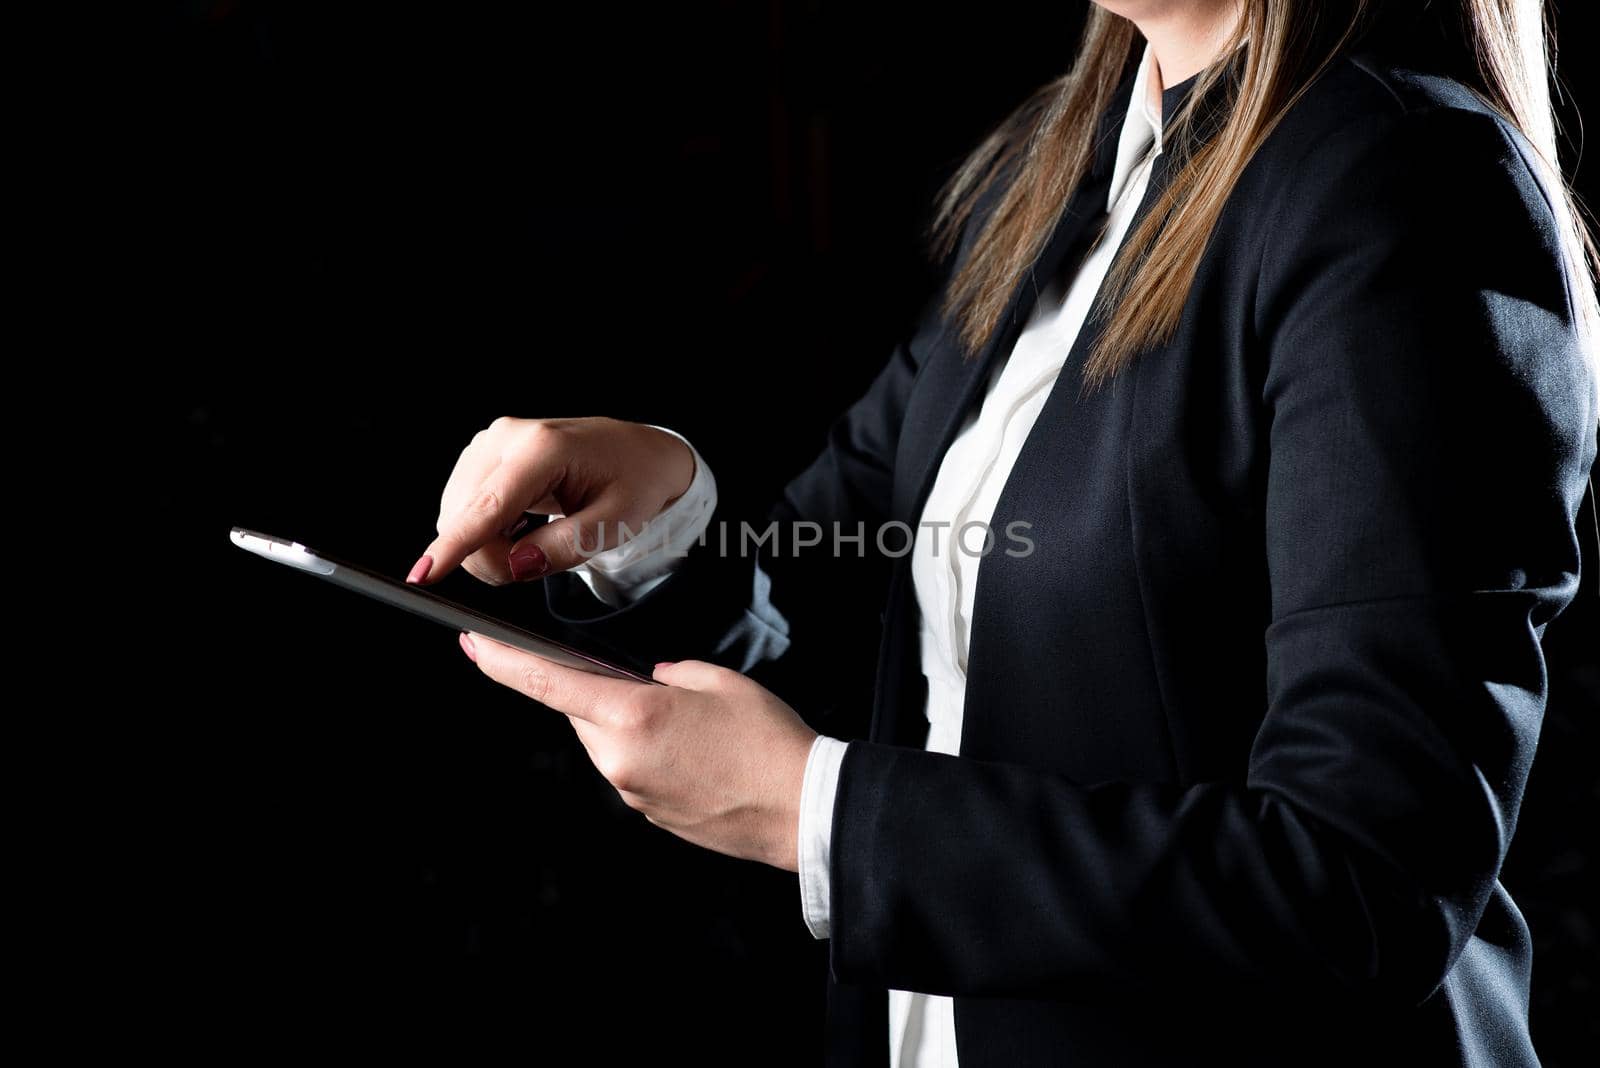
(425, 603)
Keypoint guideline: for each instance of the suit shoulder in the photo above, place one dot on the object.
(1407, 191)
(1367, 133)
(1425, 126)
(1394, 87)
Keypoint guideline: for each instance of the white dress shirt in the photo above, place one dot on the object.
(965, 489)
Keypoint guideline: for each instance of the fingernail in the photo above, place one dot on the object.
(519, 527)
(420, 569)
(528, 561)
(466, 647)
(664, 663)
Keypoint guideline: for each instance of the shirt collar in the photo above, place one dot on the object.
(1142, 127)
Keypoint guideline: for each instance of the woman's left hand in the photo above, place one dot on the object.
(712, 756)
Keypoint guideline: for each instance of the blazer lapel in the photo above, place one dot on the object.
(954, 384)
(949, 385)
(958, 381)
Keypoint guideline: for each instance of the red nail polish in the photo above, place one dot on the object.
(528, 561)
(664, 663)
(420, 569)
(467, 647)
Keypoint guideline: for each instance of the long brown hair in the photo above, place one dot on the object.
(1498, 49)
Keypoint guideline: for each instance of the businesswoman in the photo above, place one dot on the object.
(1240, 459)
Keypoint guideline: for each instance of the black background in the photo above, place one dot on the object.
(342, 239)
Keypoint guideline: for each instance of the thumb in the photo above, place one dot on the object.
(570, 540)
(694, 674)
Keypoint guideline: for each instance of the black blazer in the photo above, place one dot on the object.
(1246, 733)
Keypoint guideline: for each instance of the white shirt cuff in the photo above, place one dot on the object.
(819, 785)
(626, 572)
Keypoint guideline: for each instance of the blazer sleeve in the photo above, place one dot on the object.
(1431, 427)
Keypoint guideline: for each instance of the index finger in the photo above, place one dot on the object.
(498, 503)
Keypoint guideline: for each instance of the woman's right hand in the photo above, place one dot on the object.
(599, 474)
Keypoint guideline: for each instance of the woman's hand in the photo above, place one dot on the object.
(713, 757)
(597, 473)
